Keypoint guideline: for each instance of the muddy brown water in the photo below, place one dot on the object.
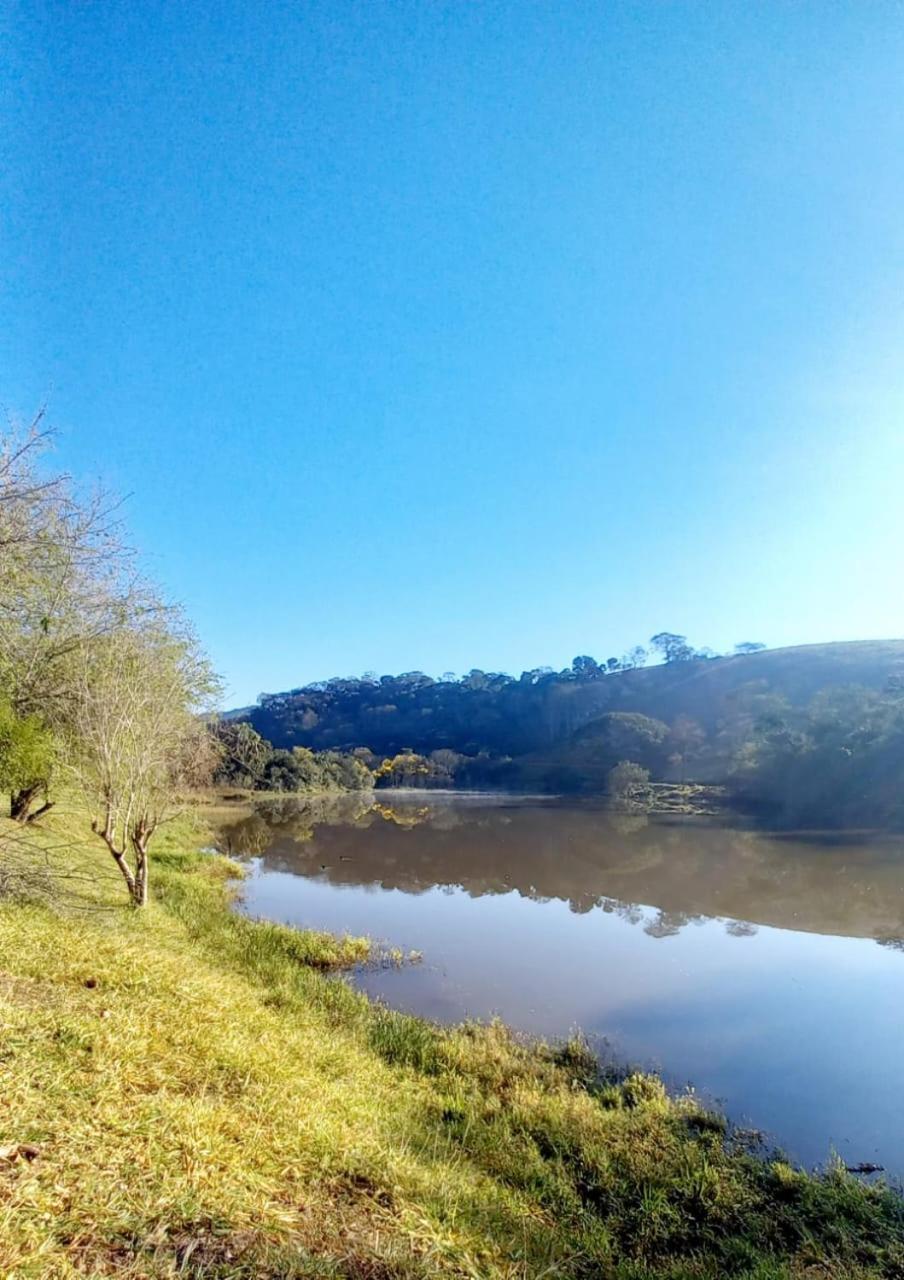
(767, 972)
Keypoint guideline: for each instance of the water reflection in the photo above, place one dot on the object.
(744, 964)
(591, 859)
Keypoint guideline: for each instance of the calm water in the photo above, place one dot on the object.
(766, 972)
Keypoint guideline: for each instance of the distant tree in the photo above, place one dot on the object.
(284, 771)
(446, 763)
(674, 648)
(585, 667)
(634, 658)
(621, 735)
(536, 675)
(628, 786)
(243, 753)
(303, 770)
(415, 680)
(406, 769)
(342, 772)
(613, 664)
(748, 646)
(629, 731)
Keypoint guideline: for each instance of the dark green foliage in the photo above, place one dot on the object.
(304, 770)
(689, 719)
(483, 715)
(838, 762)
(620, 735)
(248, 760)
(243, 753)
(672, 647)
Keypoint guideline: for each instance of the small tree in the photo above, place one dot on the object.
(634, 658)
(136, 732)
(674, 648)
(748, 646)
(446, 763)
(628, 786)
(406, 769)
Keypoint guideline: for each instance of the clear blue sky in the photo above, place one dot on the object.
(471, 334)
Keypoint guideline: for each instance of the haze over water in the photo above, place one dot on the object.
(766, 972)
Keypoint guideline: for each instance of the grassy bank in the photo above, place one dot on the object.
(184, 1092)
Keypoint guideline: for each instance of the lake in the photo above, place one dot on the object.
(766, 972)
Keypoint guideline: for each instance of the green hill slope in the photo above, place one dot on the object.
(538, 719)
(708, 691)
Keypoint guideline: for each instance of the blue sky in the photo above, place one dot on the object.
(477, 334)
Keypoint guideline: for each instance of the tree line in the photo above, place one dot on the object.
(483, 713)
(247, 760)
(835, 759)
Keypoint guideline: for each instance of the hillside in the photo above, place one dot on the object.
(538, 718)
(708, 691)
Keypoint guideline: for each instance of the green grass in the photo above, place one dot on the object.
(206, 1100)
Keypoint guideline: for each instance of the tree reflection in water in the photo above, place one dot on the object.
(580, 854)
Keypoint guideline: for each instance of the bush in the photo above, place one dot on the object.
(628, 786)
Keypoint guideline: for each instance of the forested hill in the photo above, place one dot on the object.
(542, 711)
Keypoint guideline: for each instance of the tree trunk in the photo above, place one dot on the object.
(141, 883)
(20, 802)
(126, 873)
(106, 834)
(140, 895)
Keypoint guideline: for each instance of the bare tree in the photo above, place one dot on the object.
(65, 574)
(66, 579)
(137, 734)
(24, 493)
(634, 658)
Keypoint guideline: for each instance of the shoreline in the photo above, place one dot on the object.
(189, 1077)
